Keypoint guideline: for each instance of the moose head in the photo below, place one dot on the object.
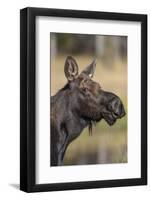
(80, 103)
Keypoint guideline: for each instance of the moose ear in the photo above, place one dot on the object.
(89, 70)
(71, 68)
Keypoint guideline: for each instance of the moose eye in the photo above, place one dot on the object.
(85, 89)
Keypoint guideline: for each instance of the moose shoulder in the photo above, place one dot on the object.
(77, 105)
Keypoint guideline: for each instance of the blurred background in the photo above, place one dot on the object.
(107, 144)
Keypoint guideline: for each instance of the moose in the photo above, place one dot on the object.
(79, 104)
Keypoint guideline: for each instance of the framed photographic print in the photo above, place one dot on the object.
(83, 99)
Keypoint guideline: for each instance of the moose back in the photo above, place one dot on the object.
(77, 105)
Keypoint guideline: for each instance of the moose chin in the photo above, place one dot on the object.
(79, 104)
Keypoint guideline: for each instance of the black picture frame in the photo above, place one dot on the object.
(28, 98)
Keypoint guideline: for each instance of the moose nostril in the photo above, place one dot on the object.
(116, 108)
(113, 106)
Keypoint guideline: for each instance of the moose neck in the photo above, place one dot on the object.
(69, 114)
(75, 122)
(66, 124)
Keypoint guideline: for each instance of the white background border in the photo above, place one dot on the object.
(45, 174)
(9, 111)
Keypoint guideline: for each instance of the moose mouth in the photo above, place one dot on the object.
(113, 111)
(111, 117)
